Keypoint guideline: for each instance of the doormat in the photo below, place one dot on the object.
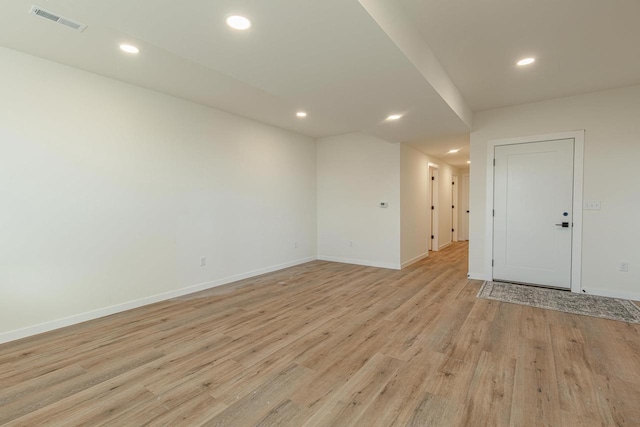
(567, 302)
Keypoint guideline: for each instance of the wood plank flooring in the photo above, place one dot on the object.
(327, 344)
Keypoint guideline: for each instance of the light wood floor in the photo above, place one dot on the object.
(330, 344)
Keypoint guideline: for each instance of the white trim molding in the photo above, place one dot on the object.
(631, 296)
(414, 260)
(118, 308)
(367, 263)
(444, 245)
(578, 172)
(479, 276)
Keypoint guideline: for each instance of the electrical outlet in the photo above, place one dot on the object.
(624, 266)
(203, 261)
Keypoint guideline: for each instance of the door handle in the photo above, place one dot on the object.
(563, 225)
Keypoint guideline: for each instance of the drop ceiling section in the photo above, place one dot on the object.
(328, 58)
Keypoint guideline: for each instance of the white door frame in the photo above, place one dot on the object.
(455, 208)
(434, 200)
(578, 168)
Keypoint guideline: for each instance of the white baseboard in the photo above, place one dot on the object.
(444, 245)
(414, 260)
(633, 296)
(479, 276)
(367, 263)
(118, 308)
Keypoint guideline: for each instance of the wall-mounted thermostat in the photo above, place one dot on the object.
(384, 204)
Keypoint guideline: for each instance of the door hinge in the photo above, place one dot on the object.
(492, 263)
(433, 178)
(432, 207)
(494, 212)
(453, 206)
(494, 162)
(453, 183)
(432, 237)
(452, 230)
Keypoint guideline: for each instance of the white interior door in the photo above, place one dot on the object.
(433, 194)
(454, 208)
(533, 217)
(464, 207)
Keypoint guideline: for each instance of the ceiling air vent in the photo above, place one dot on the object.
(51, 16)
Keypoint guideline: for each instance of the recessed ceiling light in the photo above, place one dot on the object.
(129, 48)
(394, 117)
(455, 150)
(526, 61)
(301, 114)
(238, 22)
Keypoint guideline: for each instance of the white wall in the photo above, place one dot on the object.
(415, 205)
(355, 173)
(611, 120)
(110, 194)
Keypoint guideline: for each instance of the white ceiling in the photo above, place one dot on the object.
(348, 63)
(580, 45)
(327, 57)
(439, 148)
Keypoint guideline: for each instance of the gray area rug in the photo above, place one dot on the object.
(552, 299)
